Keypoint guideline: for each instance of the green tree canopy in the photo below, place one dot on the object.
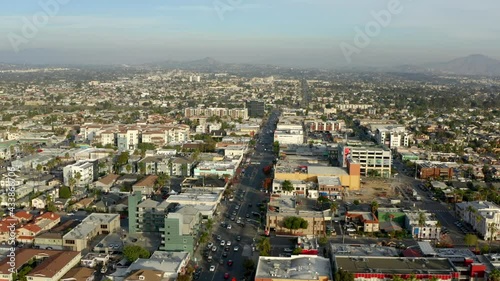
(64, 192)
(287, 185)
(134, 252)
(470, 240)
(295, 223)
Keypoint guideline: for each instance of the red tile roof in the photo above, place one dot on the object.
(53, 263)
(23, 215)
(49, 216)
(32, 227)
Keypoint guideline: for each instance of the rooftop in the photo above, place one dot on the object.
(53, 261)
(394, 265)
(170, 262)
(299, 267)
(89, 224)
(363, 250)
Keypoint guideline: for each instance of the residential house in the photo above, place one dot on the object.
(39, 202)
(368, 220)
(83, 204)
(23, 216)
(26, 234)
(61, 203)
(145, 274)
(94, 224)
(146, 186)
(105, 183)
(48, 220)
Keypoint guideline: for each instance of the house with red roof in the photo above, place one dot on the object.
(47, 220)
(27, 233)
(23, 216)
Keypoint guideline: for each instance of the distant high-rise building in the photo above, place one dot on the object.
(255, 108)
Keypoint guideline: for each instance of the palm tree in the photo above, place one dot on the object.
(471, 211)
(78, 177)
(334, 206)
(421, 219)
(492, 228)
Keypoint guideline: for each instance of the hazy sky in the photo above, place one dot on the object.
(292, 32)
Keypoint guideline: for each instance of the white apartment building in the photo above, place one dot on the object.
(289, 134)
(128, 139)
(484, 217)
(427, 229)
(299, 187)
(87, 170)
(373, 160)
(221, 112)
(392, 136)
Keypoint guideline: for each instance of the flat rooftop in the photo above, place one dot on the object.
(89, 224)
(394, 265)
(363, 250)
(299, 267)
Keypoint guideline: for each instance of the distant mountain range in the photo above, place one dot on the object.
(475, 65)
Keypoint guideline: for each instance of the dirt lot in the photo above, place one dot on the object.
(371, 189)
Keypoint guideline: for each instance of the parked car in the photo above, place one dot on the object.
(212, 268)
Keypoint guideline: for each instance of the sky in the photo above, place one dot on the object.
(309, 33)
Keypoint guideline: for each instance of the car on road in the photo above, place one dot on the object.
(238, 238)
(247, 216)
(224, 254)
(226, 275)
(219, 238)
(214, 249)
(223, 242)
(288, 250)
(210, 245)
(229, 226)
(228, 243)
(238, 221)
(236, 248)
(212, 268)
(230, 262)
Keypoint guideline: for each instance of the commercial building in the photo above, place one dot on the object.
(220, 169)
(289, 133)
(166, 264)
(297, 267)
(373, 160)
(256, 109)
(382, 268)
(434, 169)
(325, 126)
(95, 224)
(484, 217)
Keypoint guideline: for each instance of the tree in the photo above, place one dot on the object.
(294, 223)
(64, 192)
(142, 168)
(264, 246)
(374, 206)
(421, 219)
(397, 278)
(342, 275)
(297, 251)
(128, 168)
(39, 168)
(71, 182)
(249, 266)
(470, 240)
(334, 206)
(494, 275)
(134, 252)
(78, 177)
(287, 186)
(356, 202)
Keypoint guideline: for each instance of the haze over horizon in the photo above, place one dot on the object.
(305, 33)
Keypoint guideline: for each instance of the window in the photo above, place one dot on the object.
(72, 242)
(105, 226)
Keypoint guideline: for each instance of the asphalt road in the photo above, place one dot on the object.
(247, 192)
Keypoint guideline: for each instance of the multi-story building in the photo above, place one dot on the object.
(296, 267)
(434, 170)
(234, 113)
(423, 225)
(145, 215)
(83, 172)
(48, 265)
(484, 217)
(256, 109)
(127, 139)
(392, 136)
(289, 134)
(95, 224)
(325, 126)
(373, 160)
(181, 229)
(216, 168)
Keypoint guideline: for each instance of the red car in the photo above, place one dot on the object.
(226, 275)
(229, 262)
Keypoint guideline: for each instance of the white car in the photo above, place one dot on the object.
(236, 248)
(229, 226)
(222, 243)
(210, 245)
(212, 268)
(228, 243)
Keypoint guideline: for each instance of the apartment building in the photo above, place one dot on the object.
(392, 136)
(423, 225)
(296, 267)
(215, 168)
(127, 139)
(484, 217)
(234, 113)
(325, 126)
(49, 265)
(300, 188)
(181, 229)
(256, 108)
(145, 215)
(95, 224)
(435, 169)
(83, 172)
(373, 160)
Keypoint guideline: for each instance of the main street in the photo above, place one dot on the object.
(247, 196)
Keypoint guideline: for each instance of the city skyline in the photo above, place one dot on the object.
(293, 33)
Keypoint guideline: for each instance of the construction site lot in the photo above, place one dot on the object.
(374, 189)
